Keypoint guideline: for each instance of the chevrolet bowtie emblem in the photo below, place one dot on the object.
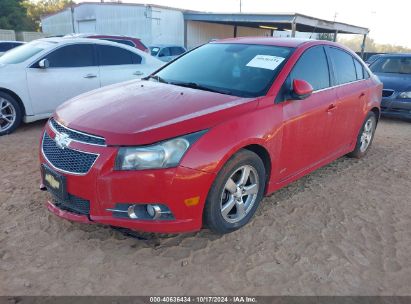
(62, 140)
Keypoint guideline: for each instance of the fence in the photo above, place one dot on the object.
(7, 35)
(20, 36)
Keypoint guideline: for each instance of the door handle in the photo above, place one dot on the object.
(88, 76)
(362, 94)
(138, 73)
(331, 107)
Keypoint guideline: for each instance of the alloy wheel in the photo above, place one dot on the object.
(239, 194)
(7, 114)
(367, 134)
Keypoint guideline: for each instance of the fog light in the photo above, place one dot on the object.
(154, 211)
(132, 212)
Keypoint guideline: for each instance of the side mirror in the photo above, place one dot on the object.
(44, 63)
(301, 89)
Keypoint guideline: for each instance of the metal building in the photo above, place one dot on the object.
(159, 24)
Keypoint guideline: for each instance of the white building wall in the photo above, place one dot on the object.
(202, 32)
(167, 26)
(57, 24)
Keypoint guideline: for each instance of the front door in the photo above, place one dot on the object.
(307, 123)
(72, 71)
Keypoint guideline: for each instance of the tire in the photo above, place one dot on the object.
(10, 114)
(365, 135)
(239, 207)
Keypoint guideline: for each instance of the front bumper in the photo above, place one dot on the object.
(396, 107)
(103, 188)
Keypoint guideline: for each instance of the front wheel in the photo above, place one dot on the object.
(236, 193)
(365, 136)
(10, 114)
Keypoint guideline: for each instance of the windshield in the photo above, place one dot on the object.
(154, 50)
(398, 65)
(24, 52)
(237, 69)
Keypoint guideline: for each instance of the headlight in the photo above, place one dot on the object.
(405, 95)
(165, 154)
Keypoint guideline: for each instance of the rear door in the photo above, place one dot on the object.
(118, 64)
(352, 92)
(72, 71)
(306, 136)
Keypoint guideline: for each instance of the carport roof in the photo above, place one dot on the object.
(302, 23)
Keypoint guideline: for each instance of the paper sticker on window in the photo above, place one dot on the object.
(265, 62)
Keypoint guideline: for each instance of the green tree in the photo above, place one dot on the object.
(13, 16)
(38, 8)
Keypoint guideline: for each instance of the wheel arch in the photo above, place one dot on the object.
(264, 155)
(377, 112)
(16, 97)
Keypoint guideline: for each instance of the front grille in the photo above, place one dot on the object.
(77, 135)
(387, 93)
(73, 204)
(67, 160)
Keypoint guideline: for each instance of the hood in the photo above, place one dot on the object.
(144, 112)
(396, 82)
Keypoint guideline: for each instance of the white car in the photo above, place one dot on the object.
(8, 45)
(39, 76)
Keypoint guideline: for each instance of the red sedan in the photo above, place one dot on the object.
(202, 140)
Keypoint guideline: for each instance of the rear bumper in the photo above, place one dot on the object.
(392, 107)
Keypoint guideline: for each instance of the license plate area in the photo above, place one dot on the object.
(54, 182)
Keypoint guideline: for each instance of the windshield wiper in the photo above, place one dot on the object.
(194, 85)
(155, 77)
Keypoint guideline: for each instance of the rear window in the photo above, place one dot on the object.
(122, 41)
(177, 51)
(397, 65)
(359, 69)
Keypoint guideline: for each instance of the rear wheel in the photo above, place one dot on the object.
(365, 136)
(236, 193)
(10, 114)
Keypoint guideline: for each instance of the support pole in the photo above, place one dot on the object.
(235, 31)
(293, 29)
(335, 36)
(185, 34)
(363, 46)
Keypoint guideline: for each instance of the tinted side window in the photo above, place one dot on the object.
(359, 69)
(126, 42)
(176, 51)
(72, 56)
(313, 68)
(111, 55)
(344, 66)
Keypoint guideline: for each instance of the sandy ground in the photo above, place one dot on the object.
(342, 230)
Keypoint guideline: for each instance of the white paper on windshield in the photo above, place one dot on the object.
(265, 62)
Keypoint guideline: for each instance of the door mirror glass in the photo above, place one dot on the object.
(301, 89)
(44, 63)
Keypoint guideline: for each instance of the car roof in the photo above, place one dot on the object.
(285, 42)
(396, 55)
(166, 45)
(12, 41)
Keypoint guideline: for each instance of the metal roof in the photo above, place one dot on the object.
(303, 23)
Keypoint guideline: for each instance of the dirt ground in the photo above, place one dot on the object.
(342, 230)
